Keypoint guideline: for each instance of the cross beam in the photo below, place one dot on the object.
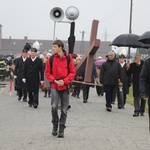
(88, 58)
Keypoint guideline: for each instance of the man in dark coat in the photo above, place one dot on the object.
(33, 74)
(18, 75)
(85, 87)
(144, 84)
(110, 73)
(126, 83)
(134, 70)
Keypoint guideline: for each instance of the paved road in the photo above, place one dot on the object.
(89, 126)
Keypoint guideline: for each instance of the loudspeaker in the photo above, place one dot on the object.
(72, 13)
(57, 14)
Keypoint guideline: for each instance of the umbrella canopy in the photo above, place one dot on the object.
(99, 62)
(127, 40)
(145, 38)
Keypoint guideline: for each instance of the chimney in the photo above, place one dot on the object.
(25, 39)
(1, 36)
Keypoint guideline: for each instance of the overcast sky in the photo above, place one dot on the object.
(31, 18)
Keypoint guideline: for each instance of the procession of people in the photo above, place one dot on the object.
(56, 76)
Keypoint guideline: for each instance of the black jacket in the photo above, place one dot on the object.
(19, 67)
(135, 71)
(144, 81)
(111, 71)
(33, 73)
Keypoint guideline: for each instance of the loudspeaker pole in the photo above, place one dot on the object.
(54, 31)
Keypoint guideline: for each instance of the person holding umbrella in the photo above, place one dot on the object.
(126, 84)
(134, 70)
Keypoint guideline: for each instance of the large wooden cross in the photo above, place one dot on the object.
(88, 58)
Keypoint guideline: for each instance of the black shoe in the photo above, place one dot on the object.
(19, 98)
(84, 101)
(69, 106)
(136, 114)
(141, 114)
(35, 106)
(54, 131)
(24, 100)
(108, 109)
(119, 107)
(61, 131)
(30, 105)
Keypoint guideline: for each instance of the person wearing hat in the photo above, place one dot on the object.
(126, 83)
(18, 74)
(33, 75)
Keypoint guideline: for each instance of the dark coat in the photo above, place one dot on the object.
(144, 82)
(93, 75)
(126, 80)
(19, 67)
(111, 71)
(33, 73)
(134, 72)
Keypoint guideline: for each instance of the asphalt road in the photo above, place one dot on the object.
(89, 126)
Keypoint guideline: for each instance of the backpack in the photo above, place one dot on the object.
(52, 58)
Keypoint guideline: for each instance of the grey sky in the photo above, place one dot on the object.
(31, 18)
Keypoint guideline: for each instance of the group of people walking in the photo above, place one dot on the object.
(121, 74)
(59, 71)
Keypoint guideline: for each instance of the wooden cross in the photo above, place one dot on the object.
(88, 58)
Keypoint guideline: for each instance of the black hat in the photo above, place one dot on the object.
(27, 46)
(122, 56)
(33, 50)
(24, 51)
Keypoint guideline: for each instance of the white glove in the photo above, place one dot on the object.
(42, 82)
(24, 80)
(15, 77)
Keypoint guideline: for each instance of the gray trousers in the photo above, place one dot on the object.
(56, 98)
(139, 104)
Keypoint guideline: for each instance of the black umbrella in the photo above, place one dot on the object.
(145, 38)
(127, 40)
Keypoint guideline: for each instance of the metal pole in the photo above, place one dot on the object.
(54, 31)
(130, 24)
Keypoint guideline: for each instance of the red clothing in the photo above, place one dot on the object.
(60, 70)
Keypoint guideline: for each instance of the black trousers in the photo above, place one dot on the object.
(33, 98)
(109, 91)
(139, 105)
(22, 92)
(85, 89)
(99, 90)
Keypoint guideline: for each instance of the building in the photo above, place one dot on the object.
(15, 46)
